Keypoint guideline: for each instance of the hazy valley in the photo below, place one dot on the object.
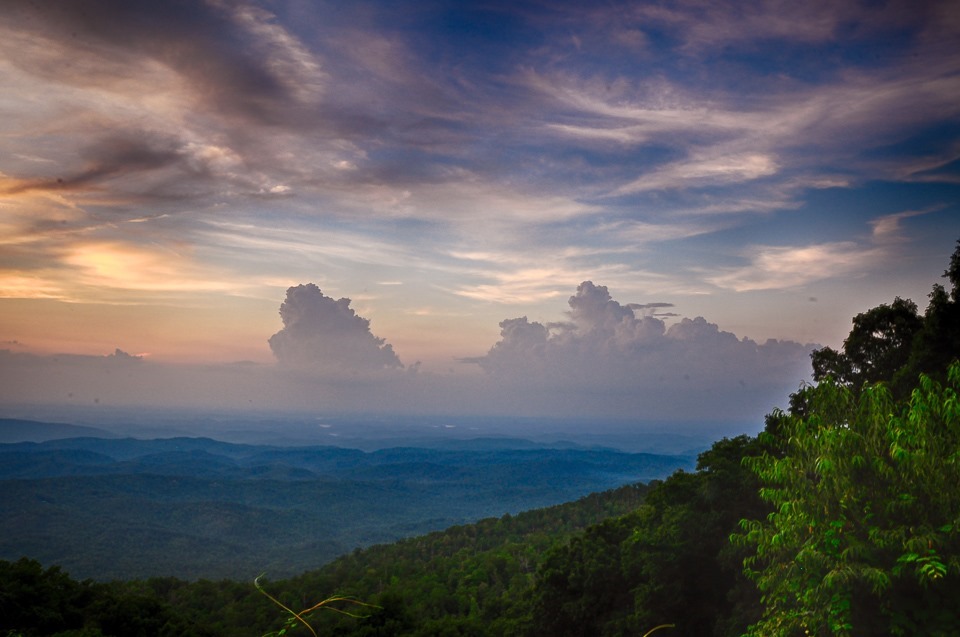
(112, 507)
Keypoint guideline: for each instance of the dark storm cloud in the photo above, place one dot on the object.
(202, 41)
(234, 77)
(112, 157)
(320, 333)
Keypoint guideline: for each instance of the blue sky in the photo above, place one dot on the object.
(168, 171)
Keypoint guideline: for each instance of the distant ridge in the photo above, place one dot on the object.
(122, 508)
(16, 430)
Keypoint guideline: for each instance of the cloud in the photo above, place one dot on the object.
(122, 379)
(698, 173)
(323, 334)
(128, 267)
(108, 159)
(889, 228)
(653, 309)
(112, 37)
(607, 359)
(257, 143)
(705, 26)
(778, 267)
(802, 124)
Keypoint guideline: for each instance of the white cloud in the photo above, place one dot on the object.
(606, 361)
(700, 172)
(888, 228)
(778, 267)
(606, 353)
(323, 334)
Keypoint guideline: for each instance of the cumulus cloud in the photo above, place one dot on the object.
(611, 354)
(320, 333)
(605, 360)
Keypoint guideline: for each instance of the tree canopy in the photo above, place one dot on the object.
(865, 534)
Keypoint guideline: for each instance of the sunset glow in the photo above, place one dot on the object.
(170, 171)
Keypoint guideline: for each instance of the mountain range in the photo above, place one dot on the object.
(120, 508)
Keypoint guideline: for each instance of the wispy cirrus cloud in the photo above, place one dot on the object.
(707, 26)
(778, 267)
(710, 171)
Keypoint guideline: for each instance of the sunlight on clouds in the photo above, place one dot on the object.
(219, 159)
(19, 285)
(130, 267)
(540, 287)
(888, 228)
(530, 284)
(316, 245)
(31, 222)
(774, 267)
(704, 172)
(50, 97)
(536, 273)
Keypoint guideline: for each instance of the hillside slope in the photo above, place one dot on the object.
(194, 507)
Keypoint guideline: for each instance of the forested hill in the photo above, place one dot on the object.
(195, 507)
(428, 584)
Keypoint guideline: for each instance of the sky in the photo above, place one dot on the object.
(635, 210)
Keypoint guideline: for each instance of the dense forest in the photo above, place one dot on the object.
(840, 518)
(200, 508)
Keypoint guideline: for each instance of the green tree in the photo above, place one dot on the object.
(864, 538)
(895, 344)
(668, 562)
(937, 344)
(38, 601)
(878, 345)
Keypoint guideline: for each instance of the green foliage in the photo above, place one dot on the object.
(468, 580)
(878, 345)
(36, 602)
(666, 562)
(863, 538)
(894, 344)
